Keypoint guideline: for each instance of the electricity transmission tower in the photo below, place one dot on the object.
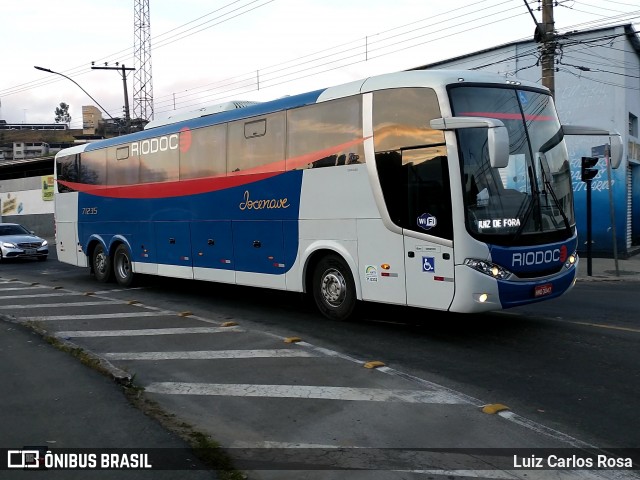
(142, 80)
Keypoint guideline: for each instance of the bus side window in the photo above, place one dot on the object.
(203, 152)
(67, 170)
(257, 145)
(327, 134)
(428, 192)
(93, 167)
(122, 168)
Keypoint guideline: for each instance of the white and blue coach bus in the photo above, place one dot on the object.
(448, 190)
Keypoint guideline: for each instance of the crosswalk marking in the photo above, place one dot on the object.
(39, 295)
(143, 332)
(55, 318)
(51, 305)
(304, 392)
(16, 289)
(207, 354)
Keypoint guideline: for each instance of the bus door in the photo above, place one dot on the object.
(67, 243)
(259, 253)
(173, 243)
(429, 266)
(66, 218)
(429, 274)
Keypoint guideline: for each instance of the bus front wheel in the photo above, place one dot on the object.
(122, 266)
(101, 264)
(334, 290)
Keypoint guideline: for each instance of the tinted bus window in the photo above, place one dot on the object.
(159, 159)
(67, 170)
(325, 134)
(401, 118)
(93, 167)
(411, 160)
(203, 152)
(257, 145)
(122, 168)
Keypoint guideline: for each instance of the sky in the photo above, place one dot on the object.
(205, 52)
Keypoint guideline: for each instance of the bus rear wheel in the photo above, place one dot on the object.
(101, 264)
(334, 290)
(122, 267)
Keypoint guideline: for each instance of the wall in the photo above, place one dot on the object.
(29, 201)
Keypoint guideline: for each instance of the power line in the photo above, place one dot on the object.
(82, 69)
(374, 46)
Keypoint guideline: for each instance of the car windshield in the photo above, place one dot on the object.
(13, 230)
(533, 195)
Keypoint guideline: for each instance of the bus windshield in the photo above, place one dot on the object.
(531, 199)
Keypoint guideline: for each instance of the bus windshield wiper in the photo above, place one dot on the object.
(546, 171)
(535, 198)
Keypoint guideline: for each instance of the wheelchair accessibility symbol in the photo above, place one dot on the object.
(428, 264)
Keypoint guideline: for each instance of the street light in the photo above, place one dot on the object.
(68, 78)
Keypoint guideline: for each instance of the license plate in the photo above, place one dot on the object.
(30, 251)
(542, 290)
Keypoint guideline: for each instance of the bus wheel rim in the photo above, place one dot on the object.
(101, 262)
(123, 266)
(333, 288)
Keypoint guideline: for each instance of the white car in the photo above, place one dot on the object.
(18, 242)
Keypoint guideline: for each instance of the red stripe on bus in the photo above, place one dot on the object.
(208, 184)
(168, 189)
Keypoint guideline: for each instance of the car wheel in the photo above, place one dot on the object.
(101, 264)
(334, 290)
(122, 267)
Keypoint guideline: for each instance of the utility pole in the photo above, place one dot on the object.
(123, 70)
(548, 46)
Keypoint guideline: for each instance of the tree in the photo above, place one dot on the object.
(62, 114)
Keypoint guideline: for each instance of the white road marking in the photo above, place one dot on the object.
(207, 354)
(38, 295)
(517, 474)
(302, 391)
(144, 332)
(37, 287)
(51, 305)
(539, 428)
(54, 318)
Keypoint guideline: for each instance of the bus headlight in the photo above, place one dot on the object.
(488, 268)
(571, 260)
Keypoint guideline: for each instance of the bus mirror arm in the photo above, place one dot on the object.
(497, 135)
(615, 156)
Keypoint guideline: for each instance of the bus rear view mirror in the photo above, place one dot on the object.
(615, 156)
(497, 135)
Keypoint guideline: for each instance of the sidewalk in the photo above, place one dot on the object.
(605, 269)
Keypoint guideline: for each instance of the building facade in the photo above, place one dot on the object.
(597, 83)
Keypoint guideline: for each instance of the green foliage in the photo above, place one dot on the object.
(62, 114)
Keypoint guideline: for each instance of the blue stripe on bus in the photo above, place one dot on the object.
(529, 262)
(251, 228)
(514, 294)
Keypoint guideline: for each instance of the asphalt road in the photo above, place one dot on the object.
(570, 364)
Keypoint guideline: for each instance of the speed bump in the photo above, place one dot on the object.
(494, 408)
